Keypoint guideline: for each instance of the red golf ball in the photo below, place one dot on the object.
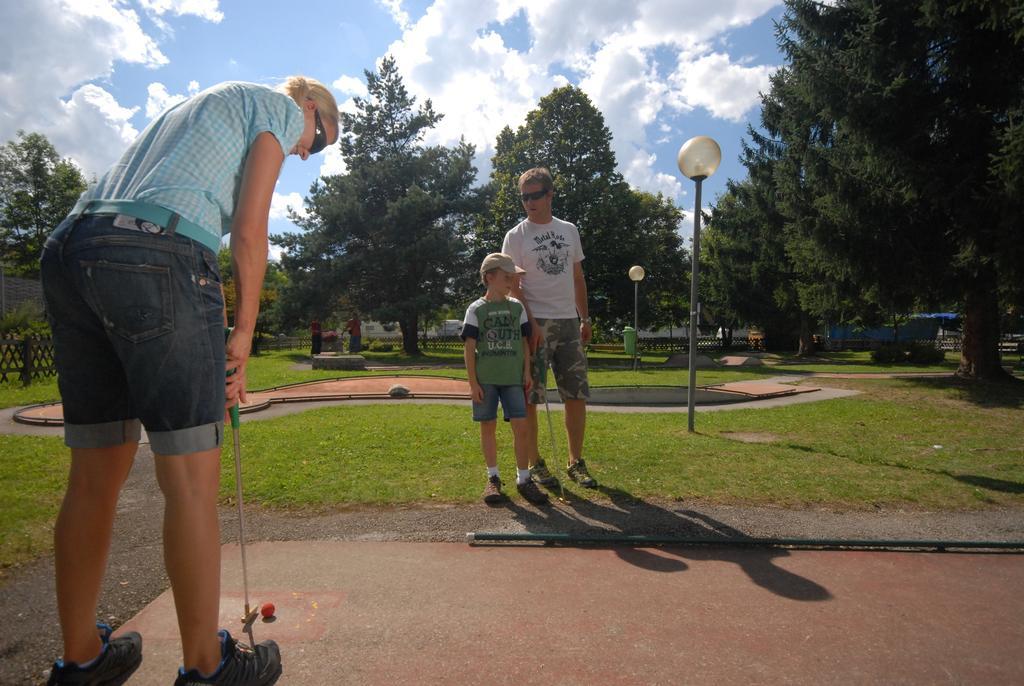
(267, 609)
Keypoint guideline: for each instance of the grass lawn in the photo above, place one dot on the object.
(877, 448)
(33, 472)
(927, 442)
(13, 394)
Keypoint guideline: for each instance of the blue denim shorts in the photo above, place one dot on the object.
(513, 403)
(138, 329)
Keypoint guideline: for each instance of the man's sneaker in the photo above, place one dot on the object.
(578, 473)
(240, 665)
(492, 492)
(539, 473)
(533, 494)
(117, 660)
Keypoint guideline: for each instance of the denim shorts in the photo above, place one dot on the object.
(513, 403)
(138, 330)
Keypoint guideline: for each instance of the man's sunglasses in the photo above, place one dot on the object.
(536, 195)
(320, 139)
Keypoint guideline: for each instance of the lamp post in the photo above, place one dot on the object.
(698, 159)
(636, 275)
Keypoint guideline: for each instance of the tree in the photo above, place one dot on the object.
(747, 278)
(386, 234)
(618, 227)
(37, 190)
(902, 152)
(274, 282)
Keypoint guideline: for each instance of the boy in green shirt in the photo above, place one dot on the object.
(495, 334)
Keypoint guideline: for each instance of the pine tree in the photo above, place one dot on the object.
(386, 235)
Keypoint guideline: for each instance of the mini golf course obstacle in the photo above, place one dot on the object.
(413, 387)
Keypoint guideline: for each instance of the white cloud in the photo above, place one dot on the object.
(281, 203)
(204, 9)
(333, 162)
(640, 171)
(92, 128)
(45, 54)
(159, 99)
(399, 15)
(53, 52)
(455, 55)
(726, 89)
(349, 85)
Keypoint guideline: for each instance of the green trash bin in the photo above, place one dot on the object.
(629, 340)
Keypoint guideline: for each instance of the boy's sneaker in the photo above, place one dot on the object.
(533, 494)
(539, 473)
(239, 666)
(492, 492)
(578, 473)
(118, 659)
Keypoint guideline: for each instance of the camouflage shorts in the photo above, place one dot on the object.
(561, 349)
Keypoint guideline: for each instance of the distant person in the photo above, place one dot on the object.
(355, 340)
(554, 291)
(317, 334)
(134, 300)
(495, 337)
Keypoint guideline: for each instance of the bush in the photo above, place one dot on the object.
(24, 320)
(925, 353)
(378, 346)
(889, 352)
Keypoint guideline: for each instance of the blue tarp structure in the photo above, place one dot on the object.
(919, 327)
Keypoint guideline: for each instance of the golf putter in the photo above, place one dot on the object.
(250, 612)
(551, 434)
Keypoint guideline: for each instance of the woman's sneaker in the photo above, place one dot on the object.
(539, 473)
(492, 492)
(240, 665)
(118, 659)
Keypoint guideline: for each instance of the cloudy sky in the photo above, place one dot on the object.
(90, 74)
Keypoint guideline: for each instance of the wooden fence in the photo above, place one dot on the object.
(26, 358)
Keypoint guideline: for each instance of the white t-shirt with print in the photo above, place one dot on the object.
(549, 253)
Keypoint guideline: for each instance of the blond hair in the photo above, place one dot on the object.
(537, 175)
(302, 88)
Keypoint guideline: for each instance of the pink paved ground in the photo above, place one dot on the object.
(356, 387)
(444, 613)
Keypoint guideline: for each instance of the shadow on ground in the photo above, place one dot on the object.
(1000, 394)
(584, 517)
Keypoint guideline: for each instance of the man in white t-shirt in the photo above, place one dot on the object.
(554, 291)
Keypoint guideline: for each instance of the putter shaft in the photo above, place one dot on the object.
(250, 615)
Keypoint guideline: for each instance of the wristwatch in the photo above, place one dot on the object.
(585, 320)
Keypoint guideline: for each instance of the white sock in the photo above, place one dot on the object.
(522, 476)
(492, 471)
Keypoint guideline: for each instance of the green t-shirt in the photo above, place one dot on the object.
(498, 328)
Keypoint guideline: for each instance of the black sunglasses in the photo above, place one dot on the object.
(320, 139)
(536, 195)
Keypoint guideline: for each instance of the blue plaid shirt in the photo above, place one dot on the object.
(190, 158)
